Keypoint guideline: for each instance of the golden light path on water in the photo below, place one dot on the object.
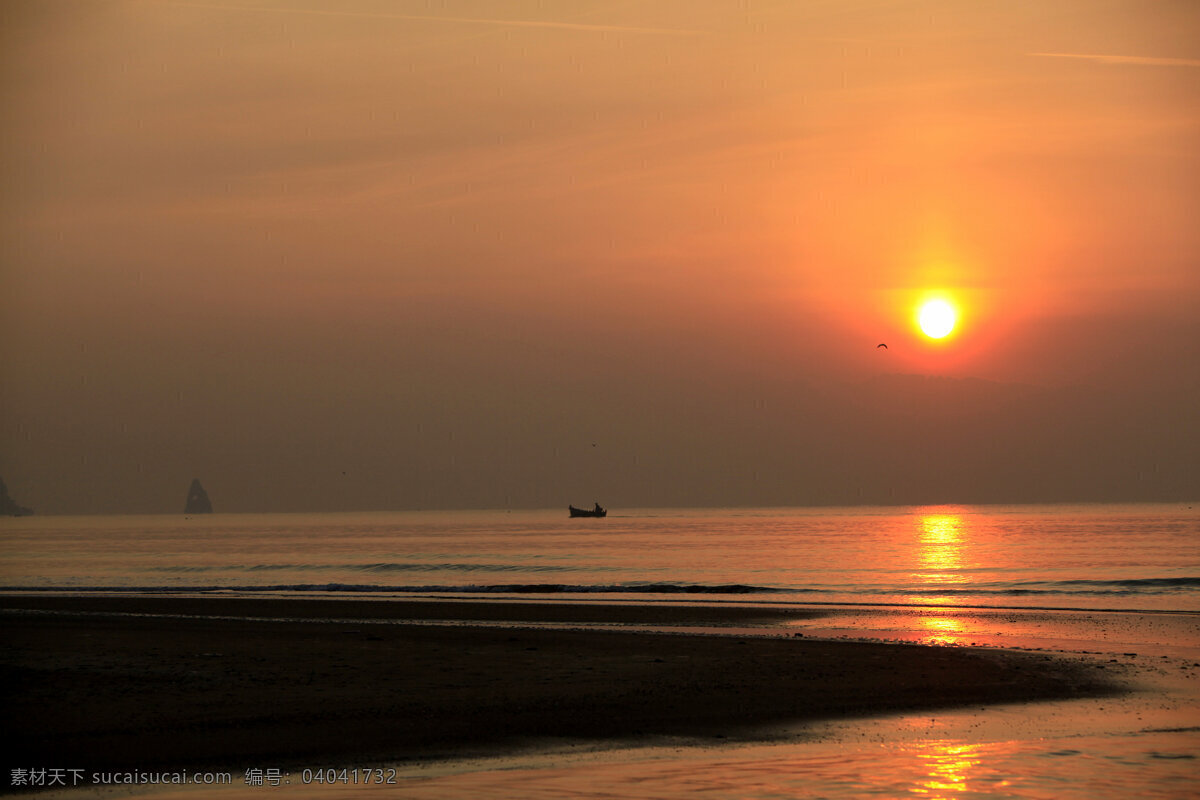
(941, 542)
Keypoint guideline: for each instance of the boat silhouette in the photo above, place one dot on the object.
(588, 512)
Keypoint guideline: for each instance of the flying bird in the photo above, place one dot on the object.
(881, 344)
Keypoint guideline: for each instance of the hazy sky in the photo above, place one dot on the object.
(386, 254)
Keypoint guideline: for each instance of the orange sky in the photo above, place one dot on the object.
(429, 243)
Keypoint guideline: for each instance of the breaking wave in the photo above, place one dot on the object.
(505, 588)
(383, 566)
(1047, 589)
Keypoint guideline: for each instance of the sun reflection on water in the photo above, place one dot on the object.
(942, 539)
(939, 553)
(940, 557)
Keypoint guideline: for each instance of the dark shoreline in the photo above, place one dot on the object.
(91, 683)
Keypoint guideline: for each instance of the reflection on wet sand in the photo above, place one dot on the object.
(1148, 765)
(946, 767)
(943, 630)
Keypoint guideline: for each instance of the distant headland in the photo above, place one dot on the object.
(8, 506)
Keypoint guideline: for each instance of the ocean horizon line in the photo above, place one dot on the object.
(632, 511)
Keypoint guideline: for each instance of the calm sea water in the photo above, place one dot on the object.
(1084, 557)
(1114, 583)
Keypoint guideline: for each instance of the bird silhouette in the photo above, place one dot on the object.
(881, 344)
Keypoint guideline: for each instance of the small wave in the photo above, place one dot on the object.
(560, 588)
(1138, 583)
(393, 567)
(1082, 588)
(375, 567)
(506, 588)
(225, 568)
(1137, 586)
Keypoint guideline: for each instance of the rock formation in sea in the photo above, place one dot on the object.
(197, 499)
(8, 506)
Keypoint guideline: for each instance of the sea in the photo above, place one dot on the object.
(1117, 584)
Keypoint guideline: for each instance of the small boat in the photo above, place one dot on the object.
(588, 512)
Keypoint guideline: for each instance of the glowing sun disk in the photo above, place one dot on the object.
(937, 318)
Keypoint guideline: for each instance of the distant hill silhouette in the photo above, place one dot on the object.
(197, 499)
(8, 506)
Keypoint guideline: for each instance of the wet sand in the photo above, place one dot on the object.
(135, 683)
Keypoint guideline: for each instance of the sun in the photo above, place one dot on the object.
(937, 318)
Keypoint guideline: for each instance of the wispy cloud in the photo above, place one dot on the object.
(508, 23)
(1144, 61)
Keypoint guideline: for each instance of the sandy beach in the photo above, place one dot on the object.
(141, 682)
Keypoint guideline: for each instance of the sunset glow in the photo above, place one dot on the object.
(488, 235)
